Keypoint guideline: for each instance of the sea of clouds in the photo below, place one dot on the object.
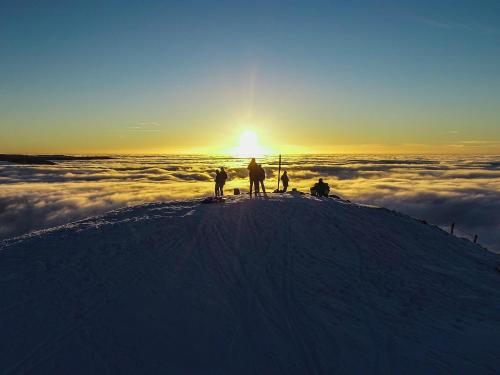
(439, 189)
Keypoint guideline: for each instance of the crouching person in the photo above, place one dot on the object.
(320, 189)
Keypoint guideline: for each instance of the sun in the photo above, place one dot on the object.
(248, 146)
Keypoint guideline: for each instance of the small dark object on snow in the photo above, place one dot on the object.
(213, 200)
(236, 191)
(281, 191)
(334, 196)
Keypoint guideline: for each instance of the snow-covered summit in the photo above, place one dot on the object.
(289, 284)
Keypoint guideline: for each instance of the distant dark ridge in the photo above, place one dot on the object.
(46, 159)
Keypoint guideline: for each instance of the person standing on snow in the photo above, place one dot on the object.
(284, 180)
(252, 173)
(222, 180)
(261, 176)
(217, 183)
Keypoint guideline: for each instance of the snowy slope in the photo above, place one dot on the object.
(289, 284)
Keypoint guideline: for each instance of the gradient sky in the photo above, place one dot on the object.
(307, 76)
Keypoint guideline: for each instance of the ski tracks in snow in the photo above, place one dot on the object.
(281, 285)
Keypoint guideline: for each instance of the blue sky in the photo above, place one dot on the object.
(78, 75)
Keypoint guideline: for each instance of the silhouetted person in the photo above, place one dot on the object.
(222, 182)
(217, 182)
(261, 176)
(252, 173)
(284, 180)
(320, 189)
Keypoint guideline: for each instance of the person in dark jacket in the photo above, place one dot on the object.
(252, 173)
(261, 176)
(320, 189)
(217, 182)
(284, 180)
(222, 182)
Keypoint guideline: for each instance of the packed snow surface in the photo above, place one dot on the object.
(287, 284)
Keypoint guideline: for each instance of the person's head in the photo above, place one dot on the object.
(284, 172)
(221, 168)
(216, 171)
(320, 180)
(253, 160)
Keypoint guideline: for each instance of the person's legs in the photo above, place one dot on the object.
(256, 186)
(251, 186)
(263, 187)
(285, 187)
(221, 188)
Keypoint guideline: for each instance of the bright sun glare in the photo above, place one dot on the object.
(249, 145)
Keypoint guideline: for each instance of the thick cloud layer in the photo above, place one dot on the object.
(441, 190)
